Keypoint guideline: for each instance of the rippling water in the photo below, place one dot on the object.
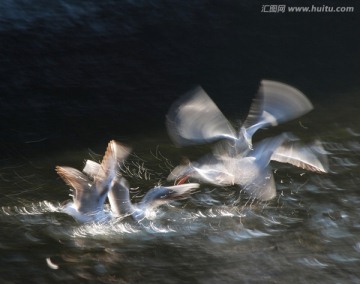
(310, 230)
(74, 77)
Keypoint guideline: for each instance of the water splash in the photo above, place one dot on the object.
(38, 208)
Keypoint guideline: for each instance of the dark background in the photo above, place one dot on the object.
(75, 73)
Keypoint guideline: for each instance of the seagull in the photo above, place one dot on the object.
(90, 191)
(120, 201)
(253, 171)
(196, 119)
(121, 205)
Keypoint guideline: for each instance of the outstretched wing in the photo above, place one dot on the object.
(275, 103)
(104, 173)
(195, 119)
(308, 157)
(85, 196)
(115, 153)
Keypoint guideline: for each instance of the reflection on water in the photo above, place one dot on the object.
(309, 231)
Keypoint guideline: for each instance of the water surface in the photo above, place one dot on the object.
(76, 76)
(311, 229)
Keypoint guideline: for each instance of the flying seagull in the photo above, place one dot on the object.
(195, 119)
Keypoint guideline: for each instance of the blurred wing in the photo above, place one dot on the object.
(104, 173)
(84, 195)
(114, 154)
(164, 194)
(275, 103)
(302, 156)
(195, 119)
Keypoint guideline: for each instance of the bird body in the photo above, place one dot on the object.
(90, 191)
(251, 172)
(121, 205)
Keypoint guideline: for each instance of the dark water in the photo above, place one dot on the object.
(74, 76)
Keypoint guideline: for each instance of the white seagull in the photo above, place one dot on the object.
(253, 172)
(120, 202)
(195, 119)
(90, 192)
(119, 193)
